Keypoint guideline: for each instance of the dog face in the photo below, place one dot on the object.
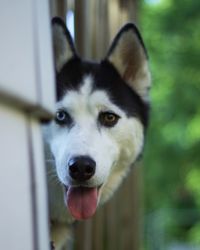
(100, 119)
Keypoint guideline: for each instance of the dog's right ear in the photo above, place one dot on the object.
(63, 44)
(129, 56)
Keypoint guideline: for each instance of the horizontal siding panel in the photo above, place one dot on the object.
(26, 58)
(16, 228)
(17, 59)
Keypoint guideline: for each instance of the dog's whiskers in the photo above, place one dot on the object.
(52, 177)
(49, 160)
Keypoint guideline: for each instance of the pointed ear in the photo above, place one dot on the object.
(63, 44)
(128, 55)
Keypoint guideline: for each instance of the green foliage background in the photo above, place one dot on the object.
(171, 30)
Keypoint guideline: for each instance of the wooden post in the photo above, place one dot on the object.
(58, 8)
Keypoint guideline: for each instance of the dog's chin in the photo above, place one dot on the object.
(82, 201)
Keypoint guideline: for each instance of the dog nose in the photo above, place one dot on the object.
(81, 168)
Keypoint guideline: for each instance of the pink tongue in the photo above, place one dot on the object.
(82, 202)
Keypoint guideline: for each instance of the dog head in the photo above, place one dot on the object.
(100, 119)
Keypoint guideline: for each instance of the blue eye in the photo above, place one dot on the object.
(63, 118)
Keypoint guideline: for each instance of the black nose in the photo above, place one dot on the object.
(81, 168)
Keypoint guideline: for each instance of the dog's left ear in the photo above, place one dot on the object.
(63, 44)
(129, 56)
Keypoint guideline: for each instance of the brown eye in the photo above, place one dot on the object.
(108, 119)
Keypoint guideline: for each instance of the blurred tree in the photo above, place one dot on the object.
(171, 31)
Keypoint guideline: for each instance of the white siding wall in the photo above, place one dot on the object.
(26, 97)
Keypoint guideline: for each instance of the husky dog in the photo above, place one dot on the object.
(100, 120)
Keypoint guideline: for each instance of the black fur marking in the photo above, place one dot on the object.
(109, 80)
(106, 78)
(70, 76)
(127, 27)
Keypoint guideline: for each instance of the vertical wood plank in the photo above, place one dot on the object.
(112, 213)
(84, 27)
(62, 8)
(83, 235)
(101, 29)
(80, 26)
(98, 230)
(39, 178)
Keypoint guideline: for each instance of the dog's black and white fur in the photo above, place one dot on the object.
(100, 120)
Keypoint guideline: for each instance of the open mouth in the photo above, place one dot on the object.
(82, 201)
